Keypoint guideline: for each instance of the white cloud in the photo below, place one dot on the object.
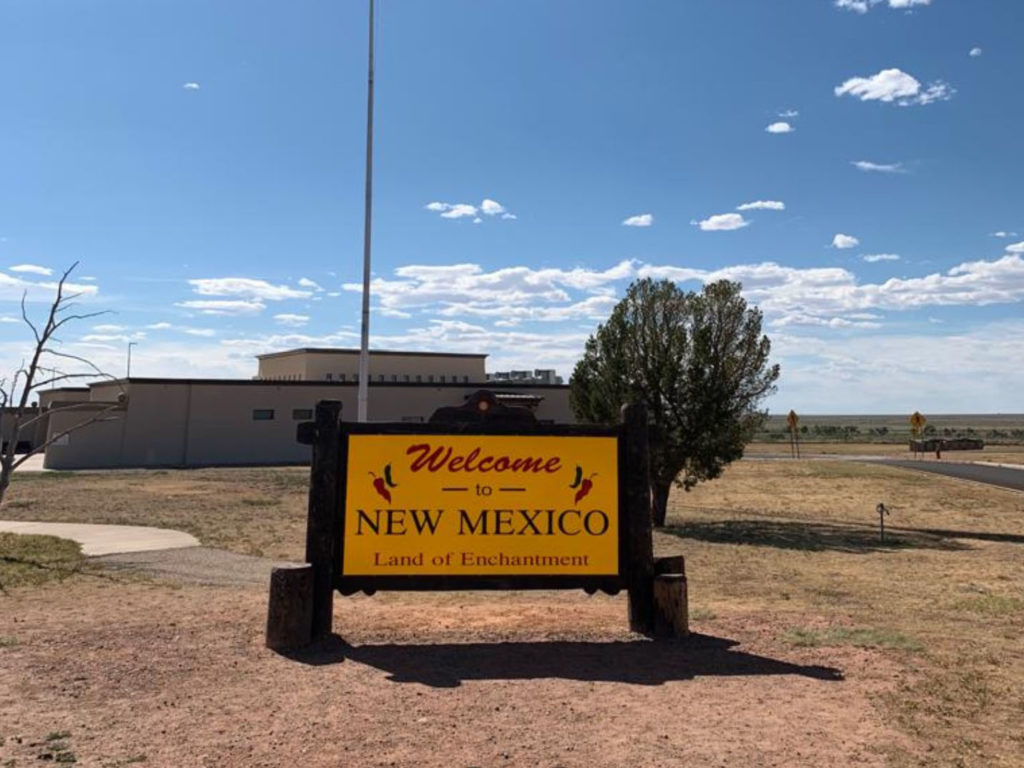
(831, 291)
(722, 222)
(975, 52)
(762, 205)
(467, 286)
(32, 269)
(109, 328)
(190, 86)
(487, 207)
(225, 307)
(789, 113)
(844, 241)
(1015, 248)
(246, 287)
(863, 6)
(165, 326)
(869, 167)
(780, 127)
(13, 288)
(459, 210)
(640, 220)
(491, 207)
(305, 282)
(894, 85)
(292, 320)
(1004, 234)
(89, 278)
(872, 258)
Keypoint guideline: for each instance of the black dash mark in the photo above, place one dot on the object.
(511, 489)
(455, 489)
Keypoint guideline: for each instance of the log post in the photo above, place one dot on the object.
(323, 500)
(640, 551)
(290, 609)
(671, 606)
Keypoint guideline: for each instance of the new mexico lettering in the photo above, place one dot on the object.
(486, 522)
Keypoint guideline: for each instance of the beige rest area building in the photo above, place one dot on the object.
(147, 422)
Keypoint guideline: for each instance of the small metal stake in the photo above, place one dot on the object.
(882, 511)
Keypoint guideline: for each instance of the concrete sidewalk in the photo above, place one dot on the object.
(106, 539)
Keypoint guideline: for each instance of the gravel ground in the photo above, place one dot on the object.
(195, 565)
(117, 673)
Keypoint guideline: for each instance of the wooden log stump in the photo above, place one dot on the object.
(671, 612)
(290, 609)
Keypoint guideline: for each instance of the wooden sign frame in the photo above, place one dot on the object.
(329, 437)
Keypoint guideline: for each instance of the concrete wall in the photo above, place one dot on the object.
(32, 435)
(204, 423)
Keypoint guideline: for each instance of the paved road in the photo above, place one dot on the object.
(1004, 477)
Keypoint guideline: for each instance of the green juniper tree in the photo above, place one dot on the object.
(700, 363)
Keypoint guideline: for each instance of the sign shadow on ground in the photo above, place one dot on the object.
(638, 662)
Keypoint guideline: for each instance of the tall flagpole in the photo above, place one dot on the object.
(364, 347)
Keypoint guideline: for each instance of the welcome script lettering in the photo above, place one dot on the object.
(443, 457)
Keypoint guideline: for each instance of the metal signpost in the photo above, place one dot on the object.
(794, 441)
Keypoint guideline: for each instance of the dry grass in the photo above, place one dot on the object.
(250, 511)
(33, 560)
(944, 592)
(791, 547)
(1008, 454)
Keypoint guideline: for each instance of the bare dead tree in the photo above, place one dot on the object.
(47, 365)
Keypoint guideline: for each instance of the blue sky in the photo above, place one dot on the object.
(204, 164)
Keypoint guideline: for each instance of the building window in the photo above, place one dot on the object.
(465, 379)
(430, 378)
(380, 377)
(341, 377)
(302, 414)
(330, 376)
(405, 378)
(418, 378)
(442, 379)
(394, 377)
(263, 414)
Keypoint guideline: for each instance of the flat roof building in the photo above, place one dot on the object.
(165, 422)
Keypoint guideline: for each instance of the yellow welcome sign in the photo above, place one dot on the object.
(481, 505)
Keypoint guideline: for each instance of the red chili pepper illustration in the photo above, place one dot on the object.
(585, 487)
(382, 489)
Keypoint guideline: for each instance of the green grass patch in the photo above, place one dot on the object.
(30, 560)
(992, 605)
(860, 637)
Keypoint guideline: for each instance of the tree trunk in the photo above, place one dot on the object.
(659, 503)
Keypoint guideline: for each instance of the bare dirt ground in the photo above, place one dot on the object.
(818, 644)
(178, 677)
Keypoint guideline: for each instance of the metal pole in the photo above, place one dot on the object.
(128, 373)
(364, 346)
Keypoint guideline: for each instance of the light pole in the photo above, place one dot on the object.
(364, 342)
(128, 373)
